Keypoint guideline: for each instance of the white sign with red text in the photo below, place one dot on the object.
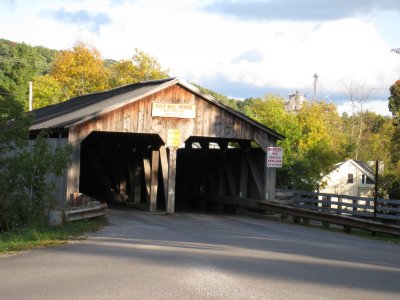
(274, 157)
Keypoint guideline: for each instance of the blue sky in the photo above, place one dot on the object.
(235, 47)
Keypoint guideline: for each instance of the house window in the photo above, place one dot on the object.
(349, 178)
(364, 179)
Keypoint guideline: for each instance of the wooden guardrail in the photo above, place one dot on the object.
(340, 204)
(346, 221)
(74, 214)
(300, 214)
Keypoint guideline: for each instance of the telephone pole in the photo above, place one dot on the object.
(315, 87)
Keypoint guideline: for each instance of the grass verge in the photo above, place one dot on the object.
(41, 235)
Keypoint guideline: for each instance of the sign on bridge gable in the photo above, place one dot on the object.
(274, 157)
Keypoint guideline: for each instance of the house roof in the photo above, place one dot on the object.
(361, 165)
(364, 166)
(80, 109)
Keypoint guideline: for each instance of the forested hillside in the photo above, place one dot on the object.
(19, 64)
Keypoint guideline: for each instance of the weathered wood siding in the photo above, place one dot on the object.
(60, 182)
(210, 121)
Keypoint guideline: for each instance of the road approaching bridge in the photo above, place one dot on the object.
(143, 255)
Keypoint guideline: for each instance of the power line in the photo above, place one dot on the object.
(23, 63)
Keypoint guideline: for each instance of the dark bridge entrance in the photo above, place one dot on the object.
(211, 170)
(116, 166)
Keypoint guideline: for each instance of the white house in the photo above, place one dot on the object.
(351, 177)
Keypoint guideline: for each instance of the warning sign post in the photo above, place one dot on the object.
(274, 157)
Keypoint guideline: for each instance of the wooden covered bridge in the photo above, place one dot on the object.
(160, 145)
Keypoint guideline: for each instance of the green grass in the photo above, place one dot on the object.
(40, 235)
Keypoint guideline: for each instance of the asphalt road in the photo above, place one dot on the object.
(195, 256)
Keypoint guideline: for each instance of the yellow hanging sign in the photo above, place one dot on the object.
(173, 138)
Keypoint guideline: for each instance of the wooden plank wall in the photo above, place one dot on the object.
(210, 121)
(60, 182)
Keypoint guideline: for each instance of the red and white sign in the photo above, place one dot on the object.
(274, 157)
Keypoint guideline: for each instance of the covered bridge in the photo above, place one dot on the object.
(159, 144)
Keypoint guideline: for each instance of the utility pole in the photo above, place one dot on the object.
(30, 96)
(315, 87)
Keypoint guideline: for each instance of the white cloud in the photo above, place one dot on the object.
(198, 45)
(377, 106)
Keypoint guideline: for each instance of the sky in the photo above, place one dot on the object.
(240, 48)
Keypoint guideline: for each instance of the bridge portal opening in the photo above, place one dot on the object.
(218, 174)
(115, 167)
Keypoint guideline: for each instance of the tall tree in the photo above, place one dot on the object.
(394, 99)
(270, 111)
(47, 91)
(18, 65)
(147, 67)
(80, 70)
(358, 94)
(312, 142)
(141, 67)
(321, 146)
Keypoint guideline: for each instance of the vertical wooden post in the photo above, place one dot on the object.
(171, 181)
(269, 179)
(376, 189)
(340, 207)
(221, 186)
(244, 174)
(326, 205)
(138, 184)
(232, 184)
(74, 168)
(164, 170)
(154, 180)
(355, 204)
(257, 175)
(122, 180)
(131, 178)
(147, 178)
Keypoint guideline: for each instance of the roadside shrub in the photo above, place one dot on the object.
(26, 194)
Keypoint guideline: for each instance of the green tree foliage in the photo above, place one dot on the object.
(61, 75)
(321, 145)
(141, 67)
(394, 99)
(313, 139)
(47, 91)
(147, 67)
(80, 71)
(232, 103)
(377, 132)
(390, 182)
(270, 112)
(122, 73)
(25, 194)
(19, 64)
